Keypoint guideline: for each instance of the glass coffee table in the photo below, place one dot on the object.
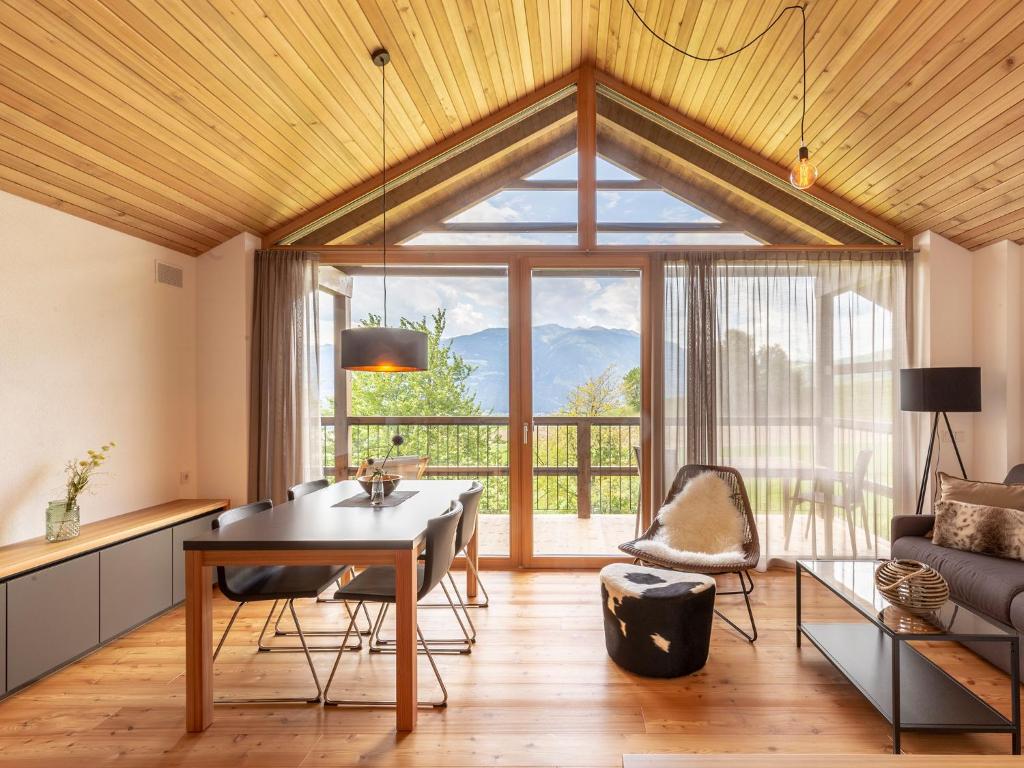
(910, 691)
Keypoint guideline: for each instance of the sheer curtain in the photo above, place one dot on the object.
(284, 398)
(784, 366)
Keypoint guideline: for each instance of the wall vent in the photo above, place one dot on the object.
(168, 274)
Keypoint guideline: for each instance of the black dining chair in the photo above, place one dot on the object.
(297, 492)
(470, 501)
(304, 489)
(276, 583)
(377, 585)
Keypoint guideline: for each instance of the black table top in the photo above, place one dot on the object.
(312, 522)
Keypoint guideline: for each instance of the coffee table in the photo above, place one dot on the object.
(909, 690)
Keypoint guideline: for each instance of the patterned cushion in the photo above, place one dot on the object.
(985, 530)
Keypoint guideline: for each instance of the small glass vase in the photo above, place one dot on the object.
(377, 491)
(63, 522)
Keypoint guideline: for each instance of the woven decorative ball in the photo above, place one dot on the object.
(913, 586)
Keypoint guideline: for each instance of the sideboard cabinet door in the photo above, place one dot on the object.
(53, 616)
(135, 582)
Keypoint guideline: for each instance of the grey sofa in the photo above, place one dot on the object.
(990, 586)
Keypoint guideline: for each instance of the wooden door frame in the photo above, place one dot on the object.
(522, 383)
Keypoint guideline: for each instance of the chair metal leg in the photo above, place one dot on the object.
(309, 660)
(746, 591)
(278, 632)
(463, 645)
(382, 703)
(479, 583)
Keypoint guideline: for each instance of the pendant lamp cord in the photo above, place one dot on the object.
(752, 41)
(384, 187)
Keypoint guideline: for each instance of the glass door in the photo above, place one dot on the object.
(584, 419)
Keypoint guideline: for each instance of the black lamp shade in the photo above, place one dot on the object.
(384, 350)
(950, 390)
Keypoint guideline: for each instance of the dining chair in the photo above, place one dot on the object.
(304, 489)
(470, 501)
(297, 492)
(376, 584)
(820, 491)
(406, 467)
(277, 583)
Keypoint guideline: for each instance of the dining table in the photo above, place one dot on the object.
(336, 525)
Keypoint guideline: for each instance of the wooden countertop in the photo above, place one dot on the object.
(29, 555)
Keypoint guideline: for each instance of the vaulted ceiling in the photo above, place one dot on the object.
(187, 121)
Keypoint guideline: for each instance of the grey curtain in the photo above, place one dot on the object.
(784, 365)
(284, 399)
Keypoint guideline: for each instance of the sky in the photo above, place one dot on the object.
(475, 303)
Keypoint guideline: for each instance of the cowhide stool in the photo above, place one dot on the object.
(657, 622)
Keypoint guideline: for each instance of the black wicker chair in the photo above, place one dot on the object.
(745, 559)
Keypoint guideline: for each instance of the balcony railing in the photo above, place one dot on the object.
(582, 466)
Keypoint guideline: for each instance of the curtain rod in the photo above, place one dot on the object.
(512, 251)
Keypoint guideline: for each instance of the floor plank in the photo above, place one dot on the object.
(538, 690)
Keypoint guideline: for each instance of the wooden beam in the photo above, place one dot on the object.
(586, 139)
(697, 194)
(749, 156)
(449, 144)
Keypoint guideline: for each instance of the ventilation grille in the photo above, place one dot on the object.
(168, 274)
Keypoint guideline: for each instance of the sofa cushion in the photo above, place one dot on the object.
(977, 492)
(987, 584)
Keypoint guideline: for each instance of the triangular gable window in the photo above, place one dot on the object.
(541, 209)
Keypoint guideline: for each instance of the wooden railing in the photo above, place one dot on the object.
(581, 465)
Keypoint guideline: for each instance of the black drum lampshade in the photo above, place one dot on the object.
(940, 390)
(383, 350)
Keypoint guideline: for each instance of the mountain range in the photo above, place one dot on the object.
(563, 358)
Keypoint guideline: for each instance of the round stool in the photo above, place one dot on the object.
(657, 622)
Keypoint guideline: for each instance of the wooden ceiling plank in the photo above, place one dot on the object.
(781, 69)
(824, 62)
(732, 32)
(688, 38)
(993, 230)
(531, 30)
(420, 24)
(481, 52)
(177, 49)
(19, 143)
(249, 32)
(131, 97)
(26, 130)
(206, 97)
(937, 99)
(22, 172)
(348, 78)
(993, 203)
(50, 81)
(905, 37)
(220, 49)
(972, 115)
(29, 97)
(275, 235)
(972, 202)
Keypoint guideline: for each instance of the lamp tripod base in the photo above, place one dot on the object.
(928, 458)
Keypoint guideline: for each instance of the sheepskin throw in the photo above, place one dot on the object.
(995, 531)
(702, 518)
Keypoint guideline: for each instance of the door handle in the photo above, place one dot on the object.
(526, 433)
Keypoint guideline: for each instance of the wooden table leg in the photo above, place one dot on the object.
(198, 644)
(472, 556)
(406, 691)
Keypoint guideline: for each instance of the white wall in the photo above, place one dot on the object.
(998, 344)
(224, 327)
(91, 349)
(943, 336)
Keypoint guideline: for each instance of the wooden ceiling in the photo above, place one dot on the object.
(187, 121)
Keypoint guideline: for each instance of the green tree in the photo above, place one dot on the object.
(631, 390)
(442, 390)
(599, 395)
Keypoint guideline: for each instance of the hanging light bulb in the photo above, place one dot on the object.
(803, 173)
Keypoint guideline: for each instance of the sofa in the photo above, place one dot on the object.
(991, 586)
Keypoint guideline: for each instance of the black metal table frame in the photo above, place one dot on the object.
(1012, 725)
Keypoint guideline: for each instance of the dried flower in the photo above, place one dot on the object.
(79, 472)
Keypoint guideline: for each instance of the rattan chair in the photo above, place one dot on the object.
(745, 559)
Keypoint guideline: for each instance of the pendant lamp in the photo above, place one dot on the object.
(378, 348)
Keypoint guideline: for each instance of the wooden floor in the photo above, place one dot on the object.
(538, 690)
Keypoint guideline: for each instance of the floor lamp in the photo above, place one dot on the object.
(940, 391)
